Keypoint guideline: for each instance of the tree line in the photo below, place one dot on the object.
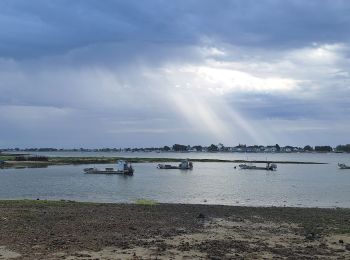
(199, 148)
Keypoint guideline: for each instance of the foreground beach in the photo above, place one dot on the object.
(71, 230)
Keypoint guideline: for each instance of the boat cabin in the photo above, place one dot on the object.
(185, 164)
(123, 166)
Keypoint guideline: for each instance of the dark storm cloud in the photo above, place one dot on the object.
(290, 108)
(148, 72)
(39, 28)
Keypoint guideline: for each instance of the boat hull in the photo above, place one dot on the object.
(343, 166)
(253, 167)
(184, 165)
(169, 167)
(97, 171)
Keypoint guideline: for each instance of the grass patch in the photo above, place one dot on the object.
(6, 158)
(146, 202)
(99, 160)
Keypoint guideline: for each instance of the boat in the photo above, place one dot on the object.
(167, 166)
(184, 165)
(343, 166)
(123, 167)
(268, 167)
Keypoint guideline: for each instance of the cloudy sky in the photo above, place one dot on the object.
(152, 73)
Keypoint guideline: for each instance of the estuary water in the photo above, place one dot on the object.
(295, 185)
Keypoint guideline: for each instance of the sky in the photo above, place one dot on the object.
(135, 73)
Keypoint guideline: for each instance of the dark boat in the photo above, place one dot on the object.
(343, 166)
(123, 167)
(268, 167)
(184, 165)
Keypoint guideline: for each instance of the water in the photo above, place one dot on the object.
(208, 183)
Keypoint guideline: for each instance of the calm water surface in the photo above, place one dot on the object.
(207, 183)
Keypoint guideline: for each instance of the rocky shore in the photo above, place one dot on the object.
(72, 230)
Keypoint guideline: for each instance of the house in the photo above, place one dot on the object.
(270, 149)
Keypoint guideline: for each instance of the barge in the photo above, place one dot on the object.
(184, 165)
(268, 167)
(123, 167)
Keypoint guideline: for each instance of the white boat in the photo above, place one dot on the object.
(343, 166)
(268, 167)
(123, 167)
(184, 165)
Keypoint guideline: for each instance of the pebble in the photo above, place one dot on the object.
(200, 215)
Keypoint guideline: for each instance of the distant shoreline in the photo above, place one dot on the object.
(9, 161)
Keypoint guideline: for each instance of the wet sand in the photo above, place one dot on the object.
(71, 230)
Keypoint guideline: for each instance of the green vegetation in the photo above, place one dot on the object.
(100, 160)
(343, 148)
(7, 158)
(213, 148)
(308, 148)
(325, 149)
(180, 148)
(146, 202)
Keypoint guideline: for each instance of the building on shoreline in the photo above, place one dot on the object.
(241, 148)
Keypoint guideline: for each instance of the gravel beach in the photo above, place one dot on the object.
(72, 230)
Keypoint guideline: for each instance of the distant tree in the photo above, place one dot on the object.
(343, 148)
(221, 147)
(325, 148)
(179, 147)
(212, 148)
(166, 148)
(198, 147)
(47, 149)
(308, 148)
(278, 148)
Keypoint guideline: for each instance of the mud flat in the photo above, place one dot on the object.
(72, 230)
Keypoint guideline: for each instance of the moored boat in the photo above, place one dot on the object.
(123, 167)
(268, 167)
(343, 166)
(184, 165)
(167, 166)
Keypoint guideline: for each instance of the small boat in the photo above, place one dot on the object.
(167, 166)
(343, 166)
(123, 167)
(184, 165)
(268, 167)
